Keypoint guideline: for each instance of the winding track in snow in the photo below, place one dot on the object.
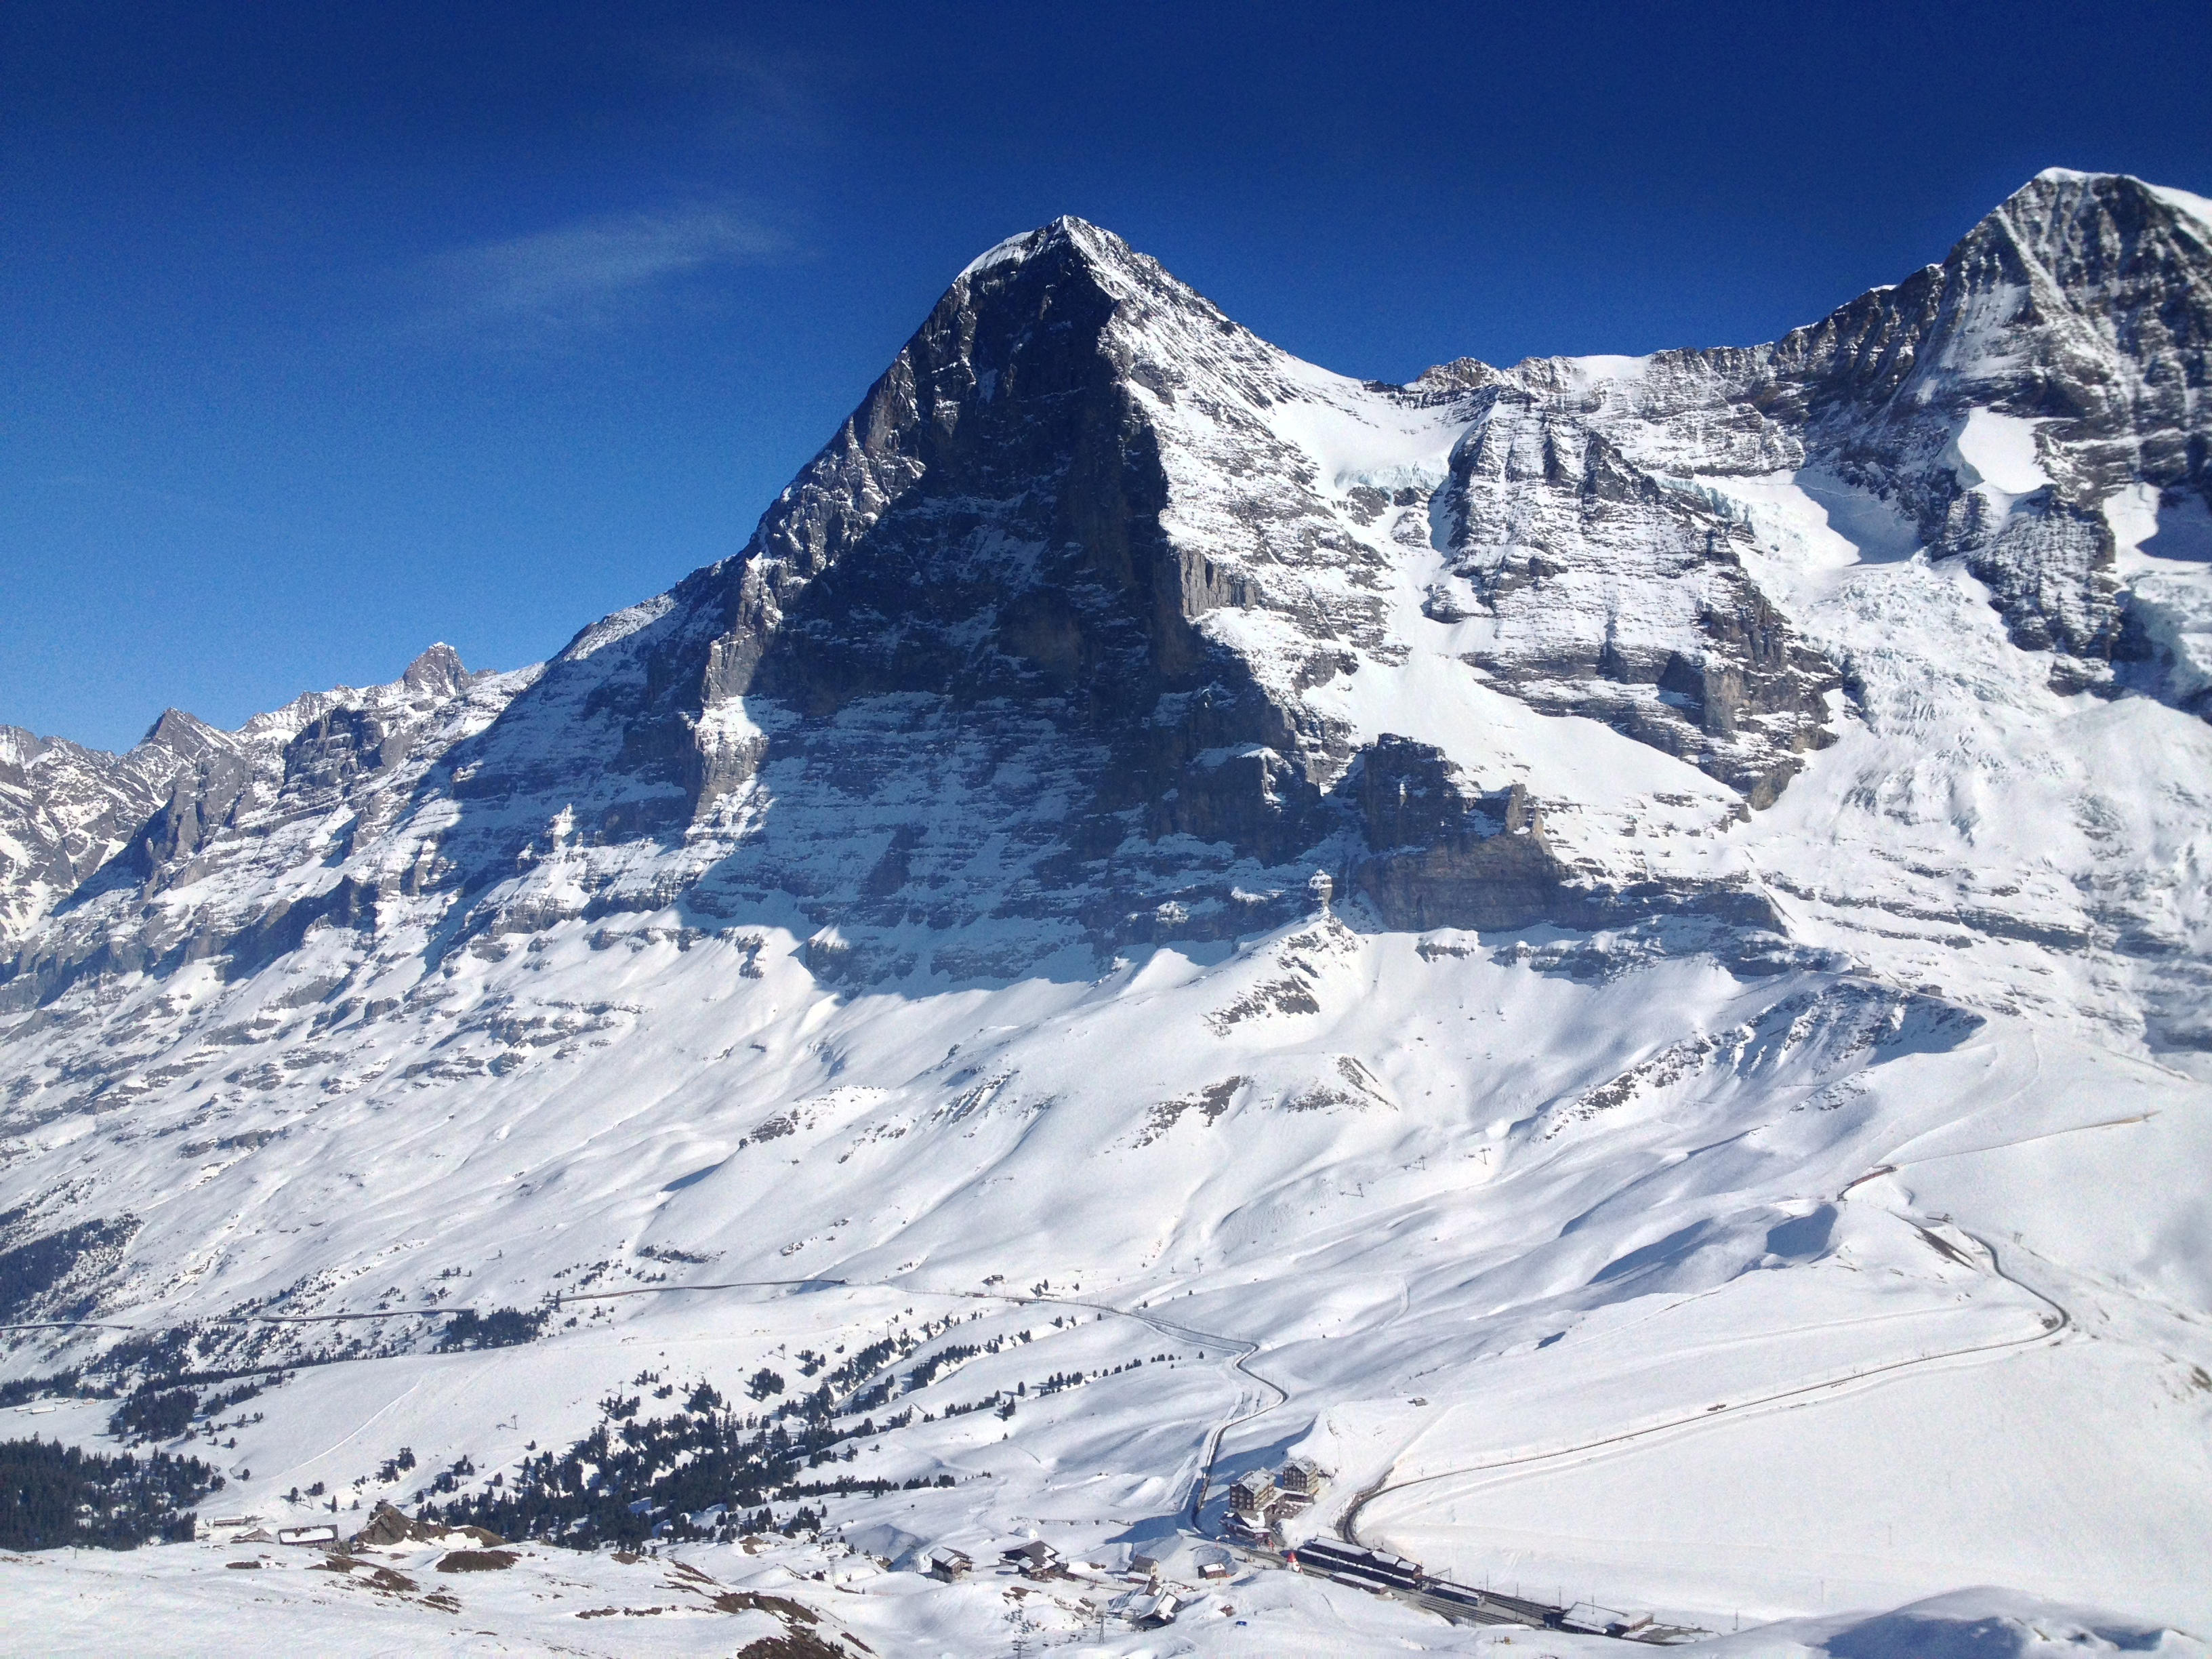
(1240, 1363)
(1347, 1525)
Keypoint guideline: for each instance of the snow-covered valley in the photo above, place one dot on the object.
(1613, 951)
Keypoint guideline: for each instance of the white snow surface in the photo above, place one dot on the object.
(1999, 451)
(2198, 208)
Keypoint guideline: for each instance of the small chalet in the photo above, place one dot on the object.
(1151, 1612)
(1590, 1618)
(949, 1565)
(1036, 1557)
(1249, 1527)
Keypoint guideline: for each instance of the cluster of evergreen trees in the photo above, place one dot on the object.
(153, 1412)
(52, 1495)
(619, 1482)
(945, 1358)
(30, 1270)
(502, 1327)
(633, 1477)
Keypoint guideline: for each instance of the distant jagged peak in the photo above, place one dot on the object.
(2064, 220)
(184, 735)
(439, 671)
(437, 675)
(19, 747)
(1459, 376)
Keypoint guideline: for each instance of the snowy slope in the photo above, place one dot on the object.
(1615, 949)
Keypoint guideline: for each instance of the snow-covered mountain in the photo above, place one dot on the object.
(1626, 939)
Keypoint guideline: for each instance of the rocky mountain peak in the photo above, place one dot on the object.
(1067, 236)
(2100, 268)
(186, 736)
(438, 671)
(19, 747)
(67, 812)
(2084, 228)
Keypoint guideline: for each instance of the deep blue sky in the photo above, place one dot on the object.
(330, 331)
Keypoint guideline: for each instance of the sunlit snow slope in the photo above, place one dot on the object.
(1615, 950)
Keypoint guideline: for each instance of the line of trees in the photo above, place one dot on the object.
(52, 1495)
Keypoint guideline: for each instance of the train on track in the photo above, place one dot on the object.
(1375, 1569)
(1395, 1570)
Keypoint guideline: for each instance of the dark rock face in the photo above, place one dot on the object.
(201, 803)
(1507, 880)
(1448, 858)
(1612, 594)
(338, 748)
(1411, 795)
(960, 639)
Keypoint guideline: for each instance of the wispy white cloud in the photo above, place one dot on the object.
(592, 270)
